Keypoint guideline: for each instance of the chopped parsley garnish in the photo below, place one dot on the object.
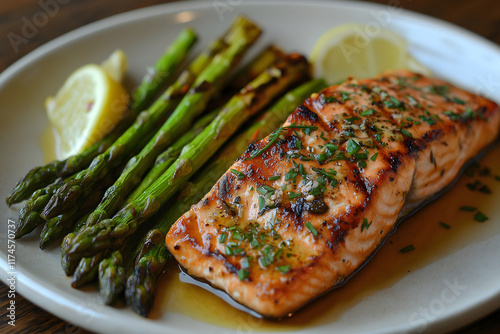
(284, 269)
(242, 274)
(365, 225)
(368, 112)
(331, 147)
(274, 178)
(374, 157)
(393, 103)
(457, 100)
(237, 236)
(239, 174)
(330, 99)
(302, 171)
(273, 139)
(407, 249)
(345, 96)
(428, 120)
(293, 126)
(245, 264)
(328, 153)
(328, 175)
(352, 119)
(362, 164)
(481, 116)
(453, 116)
(406, 133)
(444, 225)
(293, 195)
(291, 174)
(360, 156)
(311, 228)
(262, 203)
(222, 237)
(480, 217)
(413, 101)
(352, 146)
(440, 90)
(264, 190)
(469, 113)
(468, 208)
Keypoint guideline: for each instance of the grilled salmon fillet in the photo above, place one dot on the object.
(301, 210)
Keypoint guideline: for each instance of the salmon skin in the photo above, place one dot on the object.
(301, 210)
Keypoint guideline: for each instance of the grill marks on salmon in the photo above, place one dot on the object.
(321, 194)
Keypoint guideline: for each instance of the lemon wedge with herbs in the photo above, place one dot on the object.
(88, 105)
(354, 50)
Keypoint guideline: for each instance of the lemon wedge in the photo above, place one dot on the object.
(116, 65)
(88, 105)
(353, 50)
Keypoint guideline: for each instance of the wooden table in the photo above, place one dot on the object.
(479, 16)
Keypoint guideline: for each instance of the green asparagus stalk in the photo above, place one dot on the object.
(151, 261)
(80, 187)
(110, 233)
(163, 71)
(59, 226)
(111, 271)
(86, 271)
(42, 176)
(190, 107)
(141, 284)
(169, 155)
(264, 60)
(239, 26)
(269, 56)
(165, 159)
(29, 216)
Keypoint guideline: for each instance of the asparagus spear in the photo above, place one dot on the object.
(141, 284)
(240, 26)
(180, 120)
(86, 269)
(42, 176)
(165, 159)
(29, 216)
(111, 233)
(190, 107)
(265, 59)
(111, 271)
(58, 226)
(186, 78)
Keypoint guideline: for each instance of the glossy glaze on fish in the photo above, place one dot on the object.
(300, 211)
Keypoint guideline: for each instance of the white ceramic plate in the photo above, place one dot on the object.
(423, 297)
